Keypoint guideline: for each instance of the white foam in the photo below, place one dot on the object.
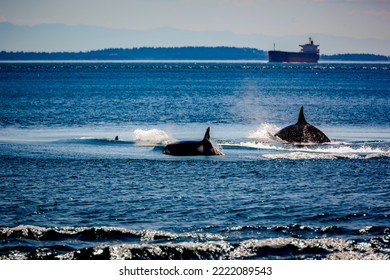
(302, 155)
(316, 148)
(151, 137)
(261, 146)
(315, 151)
(264, 133)
(363, 150)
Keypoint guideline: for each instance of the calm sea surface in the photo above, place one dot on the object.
(70, 191)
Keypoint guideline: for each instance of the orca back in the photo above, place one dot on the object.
(302, 132)
(193, 148)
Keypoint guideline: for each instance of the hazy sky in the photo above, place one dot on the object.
(352, 18)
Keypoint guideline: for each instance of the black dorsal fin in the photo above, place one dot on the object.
(301, 118)
(207, 134)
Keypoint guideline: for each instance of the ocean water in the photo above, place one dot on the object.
(70, 191)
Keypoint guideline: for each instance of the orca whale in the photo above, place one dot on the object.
(302, 132)
(193, 148)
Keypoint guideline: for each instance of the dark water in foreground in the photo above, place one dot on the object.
(69, 191)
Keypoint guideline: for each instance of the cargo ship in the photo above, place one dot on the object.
(309, 53)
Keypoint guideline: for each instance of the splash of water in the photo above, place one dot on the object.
(264, 133)
(151, 137)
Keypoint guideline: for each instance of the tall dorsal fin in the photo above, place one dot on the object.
(301, 118)
(207, 134)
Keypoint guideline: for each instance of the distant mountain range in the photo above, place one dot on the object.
(65, 38)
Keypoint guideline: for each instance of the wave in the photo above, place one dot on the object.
(332, 152)
(275, 248)
(32, 242)
(266, 141)
(325, 151)
(301, 155)
(96, 233)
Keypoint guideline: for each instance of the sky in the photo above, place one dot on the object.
(351, 18)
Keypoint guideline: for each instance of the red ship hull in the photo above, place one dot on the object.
(280, 56)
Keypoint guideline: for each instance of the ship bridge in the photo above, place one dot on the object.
(310, 48)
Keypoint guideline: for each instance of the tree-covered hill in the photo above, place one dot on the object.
(172, 53)
(145, 53)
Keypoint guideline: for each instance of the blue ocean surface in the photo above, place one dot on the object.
(69, 190)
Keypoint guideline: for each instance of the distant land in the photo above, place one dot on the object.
(145, 53)
(171, 53)
(355, 57)
(53, 38)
